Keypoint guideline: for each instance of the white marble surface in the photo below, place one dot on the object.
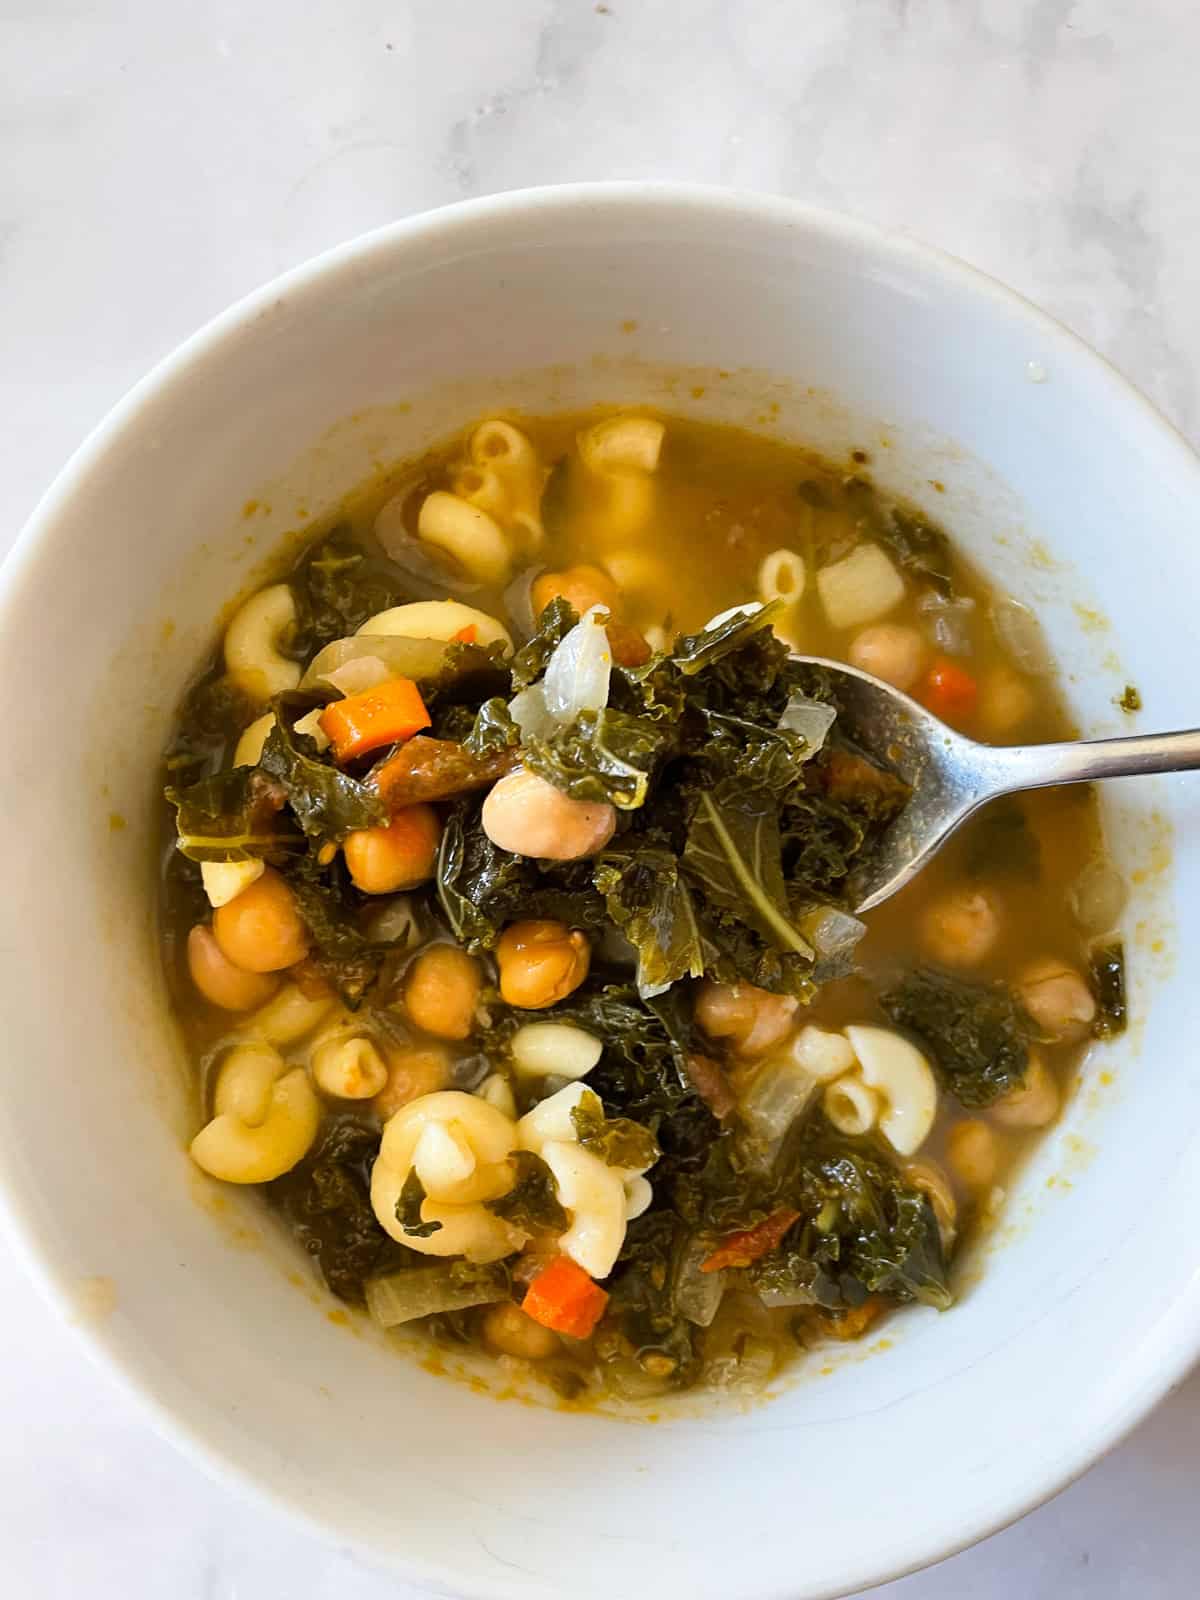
(158, 160)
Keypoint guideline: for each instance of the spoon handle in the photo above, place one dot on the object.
(1038, 766)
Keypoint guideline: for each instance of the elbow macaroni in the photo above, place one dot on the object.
(508, 465)
(346, 1064)
(459, 1146)
(599, 1199)
(852, 1108)
(621, 454)
(437, 619)
(252, 655)
(781, 577)
(470, 537)
(904, 1081)
(288, 1016)
(266, 1117)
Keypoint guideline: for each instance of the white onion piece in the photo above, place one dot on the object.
(402, 657)
(835, 936)
(780, 1092)
(578, 672)
(531, 714)
(946, 623)
(1097, 897)
(518, 600)
(1020, 633)
(697, 1294)
(364, 672)
(811, 719)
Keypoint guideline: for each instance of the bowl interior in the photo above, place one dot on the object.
(1062, 484)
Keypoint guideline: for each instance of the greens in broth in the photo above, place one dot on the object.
(707, 962)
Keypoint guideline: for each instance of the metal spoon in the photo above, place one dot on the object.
(952, 776)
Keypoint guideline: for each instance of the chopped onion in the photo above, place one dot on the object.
(835, 936)
(787, 1299)
(739, 1353)
(811, 719)
(395, 923)
(364, 672)
(697, 1294)
(531, 714)
(1097, 897)
(947, 623)
(1020, 633)
(578, 672)
(629, 1381)
(518, 600)
(779, 1092)
(424, 1291)
(401, 657)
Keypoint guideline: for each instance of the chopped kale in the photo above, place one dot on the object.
(618, 1141)
(408, 1208)
(1106, 968)
(327, 803)
(532, 1203)
(975, 1034)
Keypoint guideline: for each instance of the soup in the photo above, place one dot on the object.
(508, 905)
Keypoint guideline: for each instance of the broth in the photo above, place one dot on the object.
(680, 539)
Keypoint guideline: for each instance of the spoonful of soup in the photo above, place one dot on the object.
(952, 776)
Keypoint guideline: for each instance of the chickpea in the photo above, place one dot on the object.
(219, 981)
(961, 929)
(525, 814)
(581, 587)
(398, 856)
(1058, 999)
(507, 1329)
(1035, 1103)
(441, 991)
(890, 651)
(751, 1019)
(262, 929)
(412, 1072)
(541, 963)
(1005, 701)
(971, 1152)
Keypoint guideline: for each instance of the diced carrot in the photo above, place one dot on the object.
(949, 690)
(467, 635)
(564, 1298)
(743, 1249)
(384, 715)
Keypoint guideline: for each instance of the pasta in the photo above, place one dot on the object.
(347, 1065)
(781, 577)
(465, 533)
(501, 452)
(904, 1081)
(266, 1118)
(459, 1146)
(289, 1017)
(850, 1105)
(862, 587)
(594, 1196)
(437, 619)
(543, 1049)
(252, 655)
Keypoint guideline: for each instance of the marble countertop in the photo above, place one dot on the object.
(161, 160)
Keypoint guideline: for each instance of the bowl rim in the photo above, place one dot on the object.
(1177, 1329)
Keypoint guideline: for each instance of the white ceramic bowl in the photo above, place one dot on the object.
(1069, 490)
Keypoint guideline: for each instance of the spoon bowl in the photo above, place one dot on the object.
(952, 776)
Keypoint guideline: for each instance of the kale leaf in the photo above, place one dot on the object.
(975, 1034)
(532, 1203)
(734, 855)
(648, 899)
(554, 624)
(618, 1141)
(337, 586)
(408, 1208)
(920, 547)
(604, 755)
(327, 803)
(233, 816)
(1106, 968)
(327, 1201)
